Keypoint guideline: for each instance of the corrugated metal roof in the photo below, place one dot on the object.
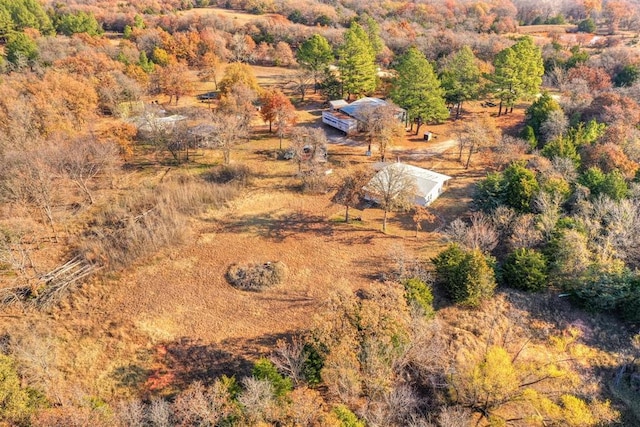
(426, 180)
(354, 108)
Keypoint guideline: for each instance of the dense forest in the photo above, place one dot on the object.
(179, 142)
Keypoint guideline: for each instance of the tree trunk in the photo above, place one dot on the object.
(346, 214)
(500, 109)
(269, 126)
(384, 222)
(458, 110)
(418, 124)
(469, 157)
(417, 229)
(85, 189)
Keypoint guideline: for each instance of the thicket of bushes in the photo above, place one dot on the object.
(256, 277)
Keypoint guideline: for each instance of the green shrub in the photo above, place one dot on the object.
(587, 26)
(618, 294)
(467, 276)
(525, 269)
(488, 193)
(630, 307)
(418, 293)
(611, 184)
(627, 76)
(264, 369)
(80, 22)
(313, 364)
(537, 113)
(520, 186)
(613, 293)
(346, 417)
(17, 404)
(256, 277)
(529, 135)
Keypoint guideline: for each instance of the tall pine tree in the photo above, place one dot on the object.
(357, 62)
(518, 73)
(315, 54)
(417, 89)
(460, 77)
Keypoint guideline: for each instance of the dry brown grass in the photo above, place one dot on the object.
(236, 16)
(171, 317)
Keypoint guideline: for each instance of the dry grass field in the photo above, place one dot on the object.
(172, 317)
(236, 16)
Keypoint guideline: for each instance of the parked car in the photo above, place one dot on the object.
(208, 96)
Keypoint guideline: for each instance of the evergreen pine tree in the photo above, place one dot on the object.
(357, 62)
(417, 89)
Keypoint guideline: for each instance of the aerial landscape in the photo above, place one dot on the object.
(332, 213)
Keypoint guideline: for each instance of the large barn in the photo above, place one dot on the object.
(346, 117)
(429, 185)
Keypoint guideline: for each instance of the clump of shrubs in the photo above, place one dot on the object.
(525, 269)
(227, 174)
(419, 294)
(256, 277)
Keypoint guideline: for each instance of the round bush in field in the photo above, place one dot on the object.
(525, 269)
(255, 277)
(466, 275)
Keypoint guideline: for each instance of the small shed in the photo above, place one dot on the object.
(337, 104)
(429, 184)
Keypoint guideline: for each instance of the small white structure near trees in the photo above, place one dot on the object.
(427, 185)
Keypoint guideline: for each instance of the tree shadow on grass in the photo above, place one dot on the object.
(558, 313)
(279, 227)
(187, 360)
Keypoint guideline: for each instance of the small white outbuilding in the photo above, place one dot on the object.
(429, 185)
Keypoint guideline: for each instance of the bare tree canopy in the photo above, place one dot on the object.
(393, 189)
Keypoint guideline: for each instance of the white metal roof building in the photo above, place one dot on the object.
(345, 116)
(429, 184)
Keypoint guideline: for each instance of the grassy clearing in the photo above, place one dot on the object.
(236, 16)
(149, 328)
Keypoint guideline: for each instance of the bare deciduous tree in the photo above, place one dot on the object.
(30, 178)
(200, 405)
(257, 399)
(508, 150)
(229, 130)
(420, 215)
(548, 208)
(524, 233)
(309, 147)
(83, 159)
(300, 82)
(480, 234)
(350, 190)
(159, 413)
(475, 134)
(382, 126)
(554, 126)
(454, 416)
(130, 414)
(289, 358)
(15, 253)
(392, 188)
